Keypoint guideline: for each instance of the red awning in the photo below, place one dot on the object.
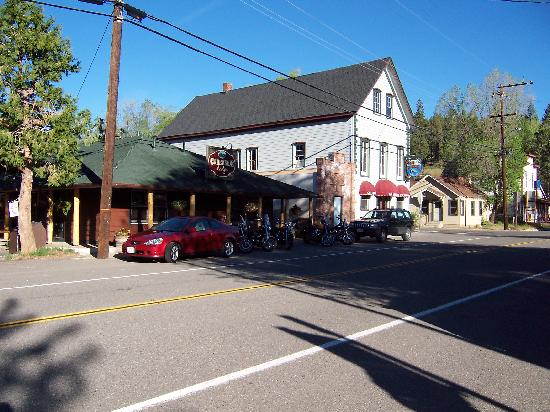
(385, 188)
(403, 191)
(366, 189)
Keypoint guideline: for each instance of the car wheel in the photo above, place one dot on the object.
(228, 248)
(172, 252)
(407, 235)
(269, 244)
(383, 236)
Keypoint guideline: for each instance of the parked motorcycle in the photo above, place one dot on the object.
(244, 243)
(324, 236)
(284, 235)
(262, 236)
(343, 233)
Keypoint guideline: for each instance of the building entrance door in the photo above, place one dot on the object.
(438, 211)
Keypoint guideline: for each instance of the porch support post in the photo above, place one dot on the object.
(76, 216)
(310, 208)
(285, 208)
(192, 204)
(150, 209)
(282, 214)
(50, 216)
(228, 210)
(6, 218)
(260, 206)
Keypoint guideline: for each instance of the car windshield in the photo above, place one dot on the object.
(171, 225)
(377, 214)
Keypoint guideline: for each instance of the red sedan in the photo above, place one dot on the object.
(180, 236)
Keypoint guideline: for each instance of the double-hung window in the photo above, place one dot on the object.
(472, 208)
(400, 162)
(376, 101)
(298, 154)
(383, 159)
(389, 106)
(364, 161)
(252, 158)
(453, 208)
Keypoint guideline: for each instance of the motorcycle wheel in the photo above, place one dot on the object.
(327, 239)
(245, 245)
(347, 239)
(269, 244)
(289, 243)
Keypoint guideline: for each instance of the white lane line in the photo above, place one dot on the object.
(71, 282)
(221, 380)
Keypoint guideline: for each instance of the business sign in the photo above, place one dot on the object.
(13, 208)
(413, 166)
(222, 163)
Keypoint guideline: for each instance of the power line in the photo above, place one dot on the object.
(350, 40)
(93, 59)
(234, 65)
(526, 1)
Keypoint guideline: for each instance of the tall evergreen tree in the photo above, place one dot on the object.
(38, 131)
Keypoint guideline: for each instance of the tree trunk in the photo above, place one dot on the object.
(26, 235)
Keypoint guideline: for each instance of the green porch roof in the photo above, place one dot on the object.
(155, 164)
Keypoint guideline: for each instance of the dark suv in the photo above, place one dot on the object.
(381, 223)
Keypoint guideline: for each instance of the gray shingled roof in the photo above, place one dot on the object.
(269, 103)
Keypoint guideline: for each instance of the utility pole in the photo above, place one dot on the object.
(110, 130)
(503, 153)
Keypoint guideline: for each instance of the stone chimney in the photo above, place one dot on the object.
(227, 87)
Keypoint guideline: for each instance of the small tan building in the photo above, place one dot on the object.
(447, 202)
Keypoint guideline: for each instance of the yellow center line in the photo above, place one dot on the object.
(292, 280)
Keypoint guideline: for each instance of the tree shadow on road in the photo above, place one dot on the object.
(412, 387)
(40, 371)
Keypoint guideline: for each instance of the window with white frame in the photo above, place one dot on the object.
(383, 159)
(298, 154)
(389, 105)
(364, 161)
(400, 162)
(252, 158)
(472, 208)
(376, 101)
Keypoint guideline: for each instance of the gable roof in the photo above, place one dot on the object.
(273, 103)
(457, 186)
(143, 162)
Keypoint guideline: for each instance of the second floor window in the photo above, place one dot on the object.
(364, 161)
(383, 159)
(252, 158)
(376, 103)
(400, 162)
(299, 154)
(389, 105)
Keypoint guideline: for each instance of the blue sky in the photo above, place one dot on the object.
(435, 44)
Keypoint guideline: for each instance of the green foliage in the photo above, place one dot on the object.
(462, 138)
(292, 74)
(38, 130)
(42, 252)
(146, 119)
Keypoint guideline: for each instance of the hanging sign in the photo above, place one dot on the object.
(13, 208)
(222, 163)
(413, 166)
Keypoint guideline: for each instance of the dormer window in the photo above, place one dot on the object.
(376, 101)
(389, 106)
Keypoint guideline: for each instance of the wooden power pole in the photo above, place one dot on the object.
(110, 130)
(502, 115)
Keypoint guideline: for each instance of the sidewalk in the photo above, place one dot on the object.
(83, 251)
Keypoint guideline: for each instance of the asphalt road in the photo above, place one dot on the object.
(450, 320)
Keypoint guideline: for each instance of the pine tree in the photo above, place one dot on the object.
(38, 131)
